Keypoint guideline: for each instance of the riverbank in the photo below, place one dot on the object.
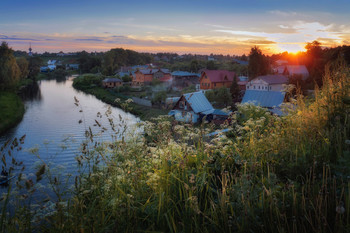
(12, 110)
(109, 97)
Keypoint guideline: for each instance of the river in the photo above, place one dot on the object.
(52, 128)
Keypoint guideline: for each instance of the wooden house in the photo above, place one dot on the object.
(192, 107)
(267, 83)
(145, 76)
(112, 82)
(211, 79)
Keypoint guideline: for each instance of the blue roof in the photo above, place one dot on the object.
(122, 74)
(198, 101)
(241, 62)
(184, 73)
(267, 99)
(216, 112)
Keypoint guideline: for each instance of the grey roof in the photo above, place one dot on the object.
(198, 102)
(274, 79)
(122, 74)
(112, 80)
(152, 71)
(267, 99)
(241, 62)
(297, 69)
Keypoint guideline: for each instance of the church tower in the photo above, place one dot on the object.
(30, 50)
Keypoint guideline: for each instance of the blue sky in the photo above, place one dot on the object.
(193, 26)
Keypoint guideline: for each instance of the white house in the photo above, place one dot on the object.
(267, 83)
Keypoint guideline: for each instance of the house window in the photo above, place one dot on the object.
(259, 87)
(265, 88)
(270, 87)
(181, 104)
(254, 87)
(214, 84)
(247, 87)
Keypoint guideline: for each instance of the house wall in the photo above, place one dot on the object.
(138, 79)
(276, 87)
(258, 85)
(111, 84)
(186, 116)
(205, 82)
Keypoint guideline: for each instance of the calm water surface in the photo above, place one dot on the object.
(51, 124)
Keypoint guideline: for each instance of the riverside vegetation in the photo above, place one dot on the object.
(268, 174)
(91, 84)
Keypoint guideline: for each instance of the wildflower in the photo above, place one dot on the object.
(192, 179)
(340, 208)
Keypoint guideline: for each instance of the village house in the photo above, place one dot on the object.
(193, 107)
(182, 79)
(271, 100)
(112, 82)
(293, 71)
(242, 82)
(296, 70)
(268, 83)
(211, 79)
(145, 76)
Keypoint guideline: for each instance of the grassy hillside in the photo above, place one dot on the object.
(269, 174)
(12, 110)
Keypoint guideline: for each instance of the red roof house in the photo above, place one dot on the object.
(211, 79)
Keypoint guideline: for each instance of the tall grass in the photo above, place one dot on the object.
(269, 174)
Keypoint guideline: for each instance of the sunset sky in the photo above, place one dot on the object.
(191, 26)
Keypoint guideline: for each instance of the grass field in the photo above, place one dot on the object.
(11, 110)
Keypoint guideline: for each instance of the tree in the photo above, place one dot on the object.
(211, 65)
(258, 63)
(34, 67)
(220, 96)
(194, 66)
(235, 91)
(9, 70)
(126, 78)
(23, 65)
(315, 61)
(159, 97)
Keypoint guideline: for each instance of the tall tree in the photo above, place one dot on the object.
(34, 67)
(23, 65)
(194, 66)
(235, 91)
(9, 71)
(315, 61)
(258, 63)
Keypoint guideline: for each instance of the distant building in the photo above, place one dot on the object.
(271, 100)
(193, 107)
(241, 62)
(145, 76)
(211, 79)
(211, 58)
(296, 70)
(72, 66)
(242, 82)
(112, 82)
(267, 83)
(182, 79)
(281, 62)
(30, 54)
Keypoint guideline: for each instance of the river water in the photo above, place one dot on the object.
(51, 125)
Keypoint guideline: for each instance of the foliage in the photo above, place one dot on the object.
(88, 80)
(12, 110)
(89, 63)
(159, 97)
(118, 57)
(23, 65)
(211, 65)
(127, 78)
(258, 63)
(188, 89)
(273, 174)
(220, 96)
(9, 70)
(235, 91)
(34, 67)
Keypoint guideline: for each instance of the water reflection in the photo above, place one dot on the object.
(51, 125)
(31, 92)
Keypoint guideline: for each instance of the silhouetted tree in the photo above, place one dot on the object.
(258, 63)
(235, 91)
